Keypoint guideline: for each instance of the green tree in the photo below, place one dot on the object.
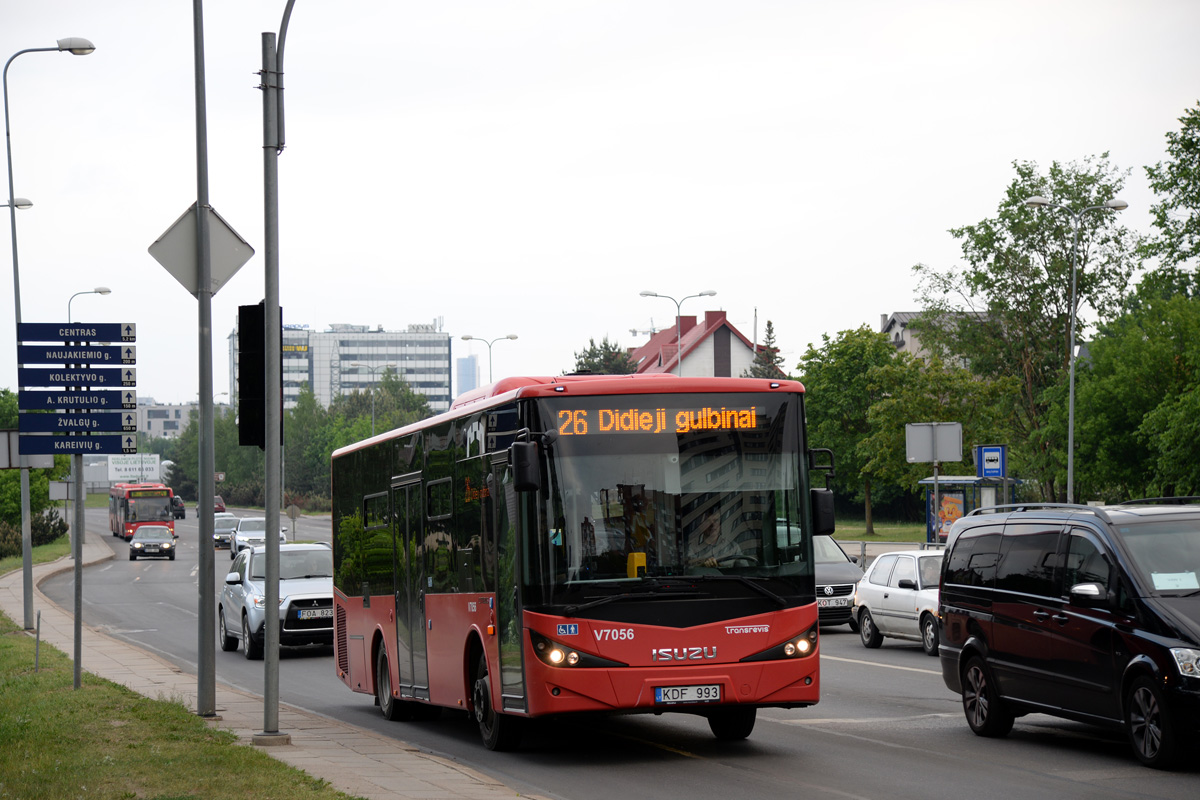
(767, 361)
(1177, 184)
(840, 397)
(1007, 310)
(10, 479)
(606, 358)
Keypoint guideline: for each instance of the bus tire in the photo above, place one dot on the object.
(391, 708)
(500, 732)
(732, 724)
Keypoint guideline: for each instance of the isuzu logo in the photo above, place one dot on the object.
(682, 653)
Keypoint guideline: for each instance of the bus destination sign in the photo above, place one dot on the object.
(591, 422)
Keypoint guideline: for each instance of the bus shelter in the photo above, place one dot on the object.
(959, 495)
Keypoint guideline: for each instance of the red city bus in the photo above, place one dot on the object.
(133, 504)
(581, 544)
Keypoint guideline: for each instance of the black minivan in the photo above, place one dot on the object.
(1083, 612)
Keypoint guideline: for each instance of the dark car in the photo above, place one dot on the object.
(177, 509)
(837, 577)
(152, 540)
(1087, 613)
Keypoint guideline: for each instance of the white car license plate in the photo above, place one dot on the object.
(832, 602)
(669, 695)
(315, 613)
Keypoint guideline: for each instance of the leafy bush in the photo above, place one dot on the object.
(43, 529)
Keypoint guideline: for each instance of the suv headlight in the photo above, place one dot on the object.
(1187, 659)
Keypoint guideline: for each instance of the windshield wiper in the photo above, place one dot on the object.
(743, 579)
(650, 591)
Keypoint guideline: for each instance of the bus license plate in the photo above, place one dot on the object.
(832, 602)
(316, 613)
(669, 695)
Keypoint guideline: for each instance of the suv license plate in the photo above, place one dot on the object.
(315, 613)
(832, 602)
(669, 695)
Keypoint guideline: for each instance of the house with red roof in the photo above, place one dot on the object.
(711, 348)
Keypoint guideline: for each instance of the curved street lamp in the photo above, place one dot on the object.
(1116, 204)
(79, 47)
(97, 290)
(372, 370)
(468, 337)
(678, 333)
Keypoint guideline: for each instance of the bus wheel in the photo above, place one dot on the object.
(732, 724)
(499, 731)
(388, 705)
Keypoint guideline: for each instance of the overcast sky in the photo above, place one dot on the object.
(529, 167)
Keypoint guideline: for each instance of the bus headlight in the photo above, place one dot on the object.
(553, 654)
(797, 647)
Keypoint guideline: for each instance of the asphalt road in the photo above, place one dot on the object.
(886, 727)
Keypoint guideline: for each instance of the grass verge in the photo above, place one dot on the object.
(42, 553)
(104, 740)
(855, 530)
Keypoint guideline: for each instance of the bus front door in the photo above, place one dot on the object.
(410, 591)
(505, 580)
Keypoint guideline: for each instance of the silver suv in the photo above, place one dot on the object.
(251, 532)
(305, 599)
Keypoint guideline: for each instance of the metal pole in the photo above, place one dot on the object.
(78, 459)
(1071, 381)
(26, 534)
(272, 394)
(206, 630)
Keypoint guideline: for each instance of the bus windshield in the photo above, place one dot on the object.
(149, 509)
(647, 486)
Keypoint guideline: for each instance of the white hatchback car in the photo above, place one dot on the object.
(898, 597)
(251, 532)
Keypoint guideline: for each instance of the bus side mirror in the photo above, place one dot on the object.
(527, 472)
(822, 511)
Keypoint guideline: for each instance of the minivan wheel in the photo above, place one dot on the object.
(986, 712)
(870, 635)
(228, 643)
(1149, 725)
(929, 635)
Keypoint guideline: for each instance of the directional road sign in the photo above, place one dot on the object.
(77, 376)
(99, 444)
(77, 332)
(95, 421)
(100, 399)
(111, 355)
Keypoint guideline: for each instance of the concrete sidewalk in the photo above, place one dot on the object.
(352, 759)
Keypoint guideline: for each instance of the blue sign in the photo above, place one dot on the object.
(107, 421)
(571, 629)
(101, 444)
(100, 399)
(991, 461)
(77, 332)
(77, 376)
(113, 355)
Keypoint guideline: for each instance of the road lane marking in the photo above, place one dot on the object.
(876, 664)
(861, 720)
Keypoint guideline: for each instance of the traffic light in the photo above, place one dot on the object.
(251, 377)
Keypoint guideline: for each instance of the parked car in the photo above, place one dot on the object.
(251, 532)
(1086, 613)
(898, 597)
(177, 508)
(837, 575)
(218, 504)
(305, 614)
(224, 524)
(152, 540)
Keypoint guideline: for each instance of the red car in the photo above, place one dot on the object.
(218, 504)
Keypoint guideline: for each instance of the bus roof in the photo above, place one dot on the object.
(508, 389)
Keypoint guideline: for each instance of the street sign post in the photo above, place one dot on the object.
(91, 422)
(77, 332)
(93, 377)
(98, 444)
(100, 399)
(99, 354)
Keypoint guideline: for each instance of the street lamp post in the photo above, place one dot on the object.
(1037, 201)
(489, 344)
(678, 333)
(97, 290)
(373, 370)
(79, 47)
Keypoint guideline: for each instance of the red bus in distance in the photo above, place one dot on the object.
(131, 505)
(578, 544)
